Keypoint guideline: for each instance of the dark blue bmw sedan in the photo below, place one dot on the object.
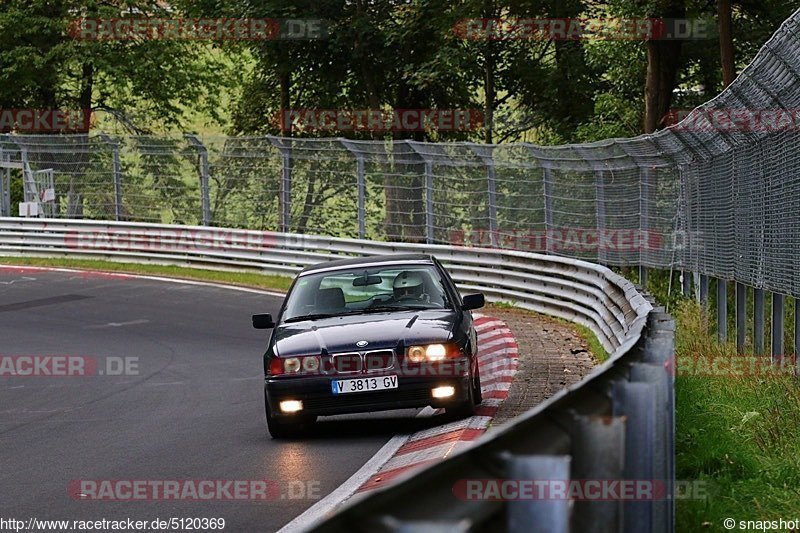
(370, 334)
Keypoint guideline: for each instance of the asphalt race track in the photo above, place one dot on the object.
(190, 408)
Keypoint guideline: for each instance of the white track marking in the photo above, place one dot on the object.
(143, 276)
(325, 507)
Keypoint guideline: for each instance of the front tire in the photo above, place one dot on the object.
(466, 408)
(477, 393)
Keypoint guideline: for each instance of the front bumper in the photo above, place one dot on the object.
(318, 399)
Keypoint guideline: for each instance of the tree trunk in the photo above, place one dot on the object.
(651, 88)
(726, 41)
(663, 61)
(491, 93)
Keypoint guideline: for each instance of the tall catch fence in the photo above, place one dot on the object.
(717, 195)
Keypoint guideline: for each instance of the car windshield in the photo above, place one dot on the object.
(366, 290)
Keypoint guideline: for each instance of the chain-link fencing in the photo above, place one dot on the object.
(716, 197)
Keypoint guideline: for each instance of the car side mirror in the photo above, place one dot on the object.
(473, 301)
(263, 321)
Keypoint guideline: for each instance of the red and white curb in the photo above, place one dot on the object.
(498, 357)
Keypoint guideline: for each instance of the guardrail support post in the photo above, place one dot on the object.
(547, 515)
(362, 197)
(722, 310)
(777, 325)
(659, 350)
(657, 376)
(597, 447)
(758, 321)
(741, 316)
(547, 187)
(491, 183)
(637, 402)
(205, 177)
(703, 289)
(429, 203)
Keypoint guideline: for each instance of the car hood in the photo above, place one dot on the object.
(340, 334)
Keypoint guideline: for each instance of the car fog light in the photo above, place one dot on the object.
(291, 406)
(443, 392)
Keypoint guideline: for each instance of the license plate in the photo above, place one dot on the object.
(346, 386)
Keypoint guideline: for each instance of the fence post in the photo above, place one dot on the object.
(491, 183)
(362, 197)
(703, 289)
(777, 325)
(645, 186)
(548, 207)
(429, 202)
(600, 209)
(758, 321)
(286, 192)
(203, 168)
(722, 310)
(797, 335)
(686, 278)
(741, 316)
(5, 183)
(117, 169)
(5, 193)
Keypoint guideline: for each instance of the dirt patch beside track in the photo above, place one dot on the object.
(552, 355)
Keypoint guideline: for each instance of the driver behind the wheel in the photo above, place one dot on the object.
(408, 285)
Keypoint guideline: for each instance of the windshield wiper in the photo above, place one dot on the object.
(384, 308)
(314, 316)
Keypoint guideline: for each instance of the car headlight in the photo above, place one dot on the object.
(291, 365)
(432, 352)
(310, 364)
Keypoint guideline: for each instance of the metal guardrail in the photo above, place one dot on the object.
(617, 423)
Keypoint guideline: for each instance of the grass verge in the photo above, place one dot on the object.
(738, 434)
(245, 279)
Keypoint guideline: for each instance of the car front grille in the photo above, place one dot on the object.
(378, 360)
(353, 363)
(347, 363)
